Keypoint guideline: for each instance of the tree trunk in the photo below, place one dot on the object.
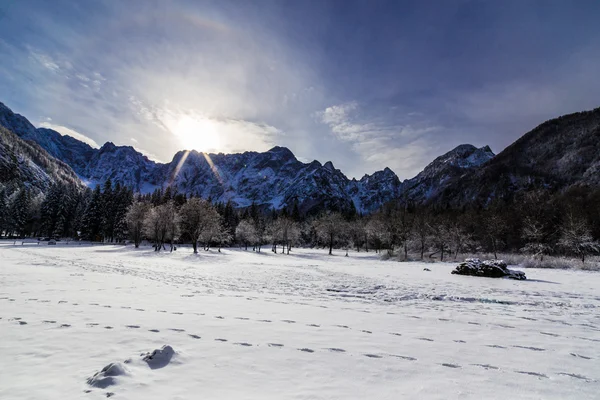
(195, 246)
(330, 244)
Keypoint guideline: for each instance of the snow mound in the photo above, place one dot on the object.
(487, 268)
(106, 377)
(159, 358)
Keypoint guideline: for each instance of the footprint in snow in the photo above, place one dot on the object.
(219, 317)
(576, 376)
(264, 320)
(343, 326)
(62, 301)
(404, 357)
(242, 318)
(91, 324)
(530, 348)
(306, 350)
(448, 365)
(473, 323)
(460, 341)
(395, 334)
(22, 323)
(177, 330)
(425, 339)
(580, 356)
(243, 344)
(153, 330)
(177, 313)
(314, 325)
(486, 366)
(336, 350)
(49, 322)
(194, 336)
(277, 345)
(220, 340)
(373, 355)
(139, 309)
(289, 321)
(539, 375)
(495, 346)
(549, 334)
(108, 327)
(65, 326)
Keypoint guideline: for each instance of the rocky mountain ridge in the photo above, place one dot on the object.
(559, 153)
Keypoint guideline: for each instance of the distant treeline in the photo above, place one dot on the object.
(537, 222)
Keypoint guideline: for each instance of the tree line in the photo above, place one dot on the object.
(538, 223)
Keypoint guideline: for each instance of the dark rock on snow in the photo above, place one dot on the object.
(487, 268)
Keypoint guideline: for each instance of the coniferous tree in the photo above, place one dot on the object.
(92, 221)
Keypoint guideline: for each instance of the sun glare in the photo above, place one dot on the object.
(197, 134)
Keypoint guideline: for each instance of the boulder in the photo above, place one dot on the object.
(106, 377)
(487, 268)
(159, 358)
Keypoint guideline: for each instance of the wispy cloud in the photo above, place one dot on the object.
(63, 130)
(399, 145)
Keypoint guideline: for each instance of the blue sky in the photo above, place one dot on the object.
(365, 84)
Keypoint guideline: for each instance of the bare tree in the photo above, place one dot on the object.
(576, 237)
(200, 221)
(459, 237)
(329, 227)
(495, 227)
(159, 224)
(535, 237)
(136, 214)
(246, 233)
(421, 231)
(439, 236)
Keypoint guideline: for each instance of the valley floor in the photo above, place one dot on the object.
(305, 326)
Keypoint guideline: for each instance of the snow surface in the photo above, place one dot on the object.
(305, 326)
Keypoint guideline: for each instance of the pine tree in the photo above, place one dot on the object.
(3, 210)
(92, 219)
(19, 211)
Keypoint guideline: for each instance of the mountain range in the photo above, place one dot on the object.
(557, 154)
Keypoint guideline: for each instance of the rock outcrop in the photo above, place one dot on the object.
(488, 269)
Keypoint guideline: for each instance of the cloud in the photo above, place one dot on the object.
(63, 130)
(402, 145)
(45, 60)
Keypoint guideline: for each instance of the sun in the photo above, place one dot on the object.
(199, 134)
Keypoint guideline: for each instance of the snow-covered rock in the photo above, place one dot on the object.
(159, 358)
(487, 268)
(107, 376)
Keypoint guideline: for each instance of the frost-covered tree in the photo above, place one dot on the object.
(159, 223)
(245, 233)
(576, 238)
(135, 217)
(535, 236)
(200, 221)
(329, 227)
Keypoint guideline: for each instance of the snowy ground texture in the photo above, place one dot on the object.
(305, 326)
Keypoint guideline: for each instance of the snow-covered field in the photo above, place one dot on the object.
(304, 326)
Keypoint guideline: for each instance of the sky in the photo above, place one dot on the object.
(364, 84)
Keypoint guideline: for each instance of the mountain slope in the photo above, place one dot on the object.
(65, 148)
(557, 154)
(26, 163)
(443, 171)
